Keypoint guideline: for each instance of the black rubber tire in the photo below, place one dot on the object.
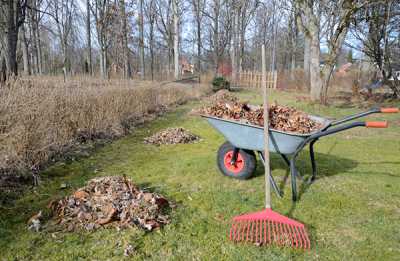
(249, 159)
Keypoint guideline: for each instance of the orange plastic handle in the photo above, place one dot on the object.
(376, 124)
(390, 110)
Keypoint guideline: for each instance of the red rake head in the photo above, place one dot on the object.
(269, 227)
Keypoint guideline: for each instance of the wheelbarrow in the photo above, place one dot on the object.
(237, 156)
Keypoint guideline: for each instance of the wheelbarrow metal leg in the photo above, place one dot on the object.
(313, 164)
(293, 178)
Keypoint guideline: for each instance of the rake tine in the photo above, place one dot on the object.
(265, 232)
(256, 225)
(287, 235)
(274, 228)
(235, 227)
(307, 239)
(231, 231)
(245, 229)
(302, 232)
(304, 242)
(298, 234)
(237, 231)
(261, 231)
(248, 230)
(282, 240)
(294, 236)
(251, 232)
(269, 232)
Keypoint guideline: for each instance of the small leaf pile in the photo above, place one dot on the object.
(280, 117)
(172, 136)
(110, 202)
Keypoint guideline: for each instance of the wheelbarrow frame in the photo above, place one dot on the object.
(290, 154)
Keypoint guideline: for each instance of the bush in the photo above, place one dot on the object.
(220, 83)
(41, 116)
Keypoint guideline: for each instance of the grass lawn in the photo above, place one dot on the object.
(352, 211)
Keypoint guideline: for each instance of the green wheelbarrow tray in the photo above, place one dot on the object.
(287, 144)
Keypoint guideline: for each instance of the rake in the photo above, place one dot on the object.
(266, 226)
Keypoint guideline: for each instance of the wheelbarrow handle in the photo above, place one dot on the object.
(362, 114)
(389, 110)
(376, 124)
(347, 126)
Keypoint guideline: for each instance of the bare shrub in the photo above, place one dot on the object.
(39, 117)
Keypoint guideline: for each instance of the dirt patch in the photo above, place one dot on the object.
(172, 136)
(109, 202)
(280, 117)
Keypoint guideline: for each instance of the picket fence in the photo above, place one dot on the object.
(253, 79)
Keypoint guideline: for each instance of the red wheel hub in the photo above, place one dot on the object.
(237, 166)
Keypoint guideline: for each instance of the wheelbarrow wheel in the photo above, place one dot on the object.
(244, 166)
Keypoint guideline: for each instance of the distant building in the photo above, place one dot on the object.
(186, 66)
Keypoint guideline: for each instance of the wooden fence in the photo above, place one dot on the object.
(253, 79)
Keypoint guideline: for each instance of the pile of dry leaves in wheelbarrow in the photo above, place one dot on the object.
(172, 136)
(110, 202)
(281, 118)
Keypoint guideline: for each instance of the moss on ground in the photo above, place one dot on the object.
(352, 212)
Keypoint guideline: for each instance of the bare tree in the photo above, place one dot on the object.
(141, 40)
(89, 39)
(103, 13)
(198, 9)
(35, 16)
(176, 39)
(64, 13)
(125, 48)
(165, 27)
(376, 28)
(12, 16)
(24, 46)
(151, 15)
(309, 19)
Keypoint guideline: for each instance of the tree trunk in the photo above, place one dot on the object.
(307, 60)
(234, 45)
(89, 39)
(141, 41)
(3, 68)
(25, 54)
(176, 40)
(198, 22)
(216, 38)
(11, 36)
(103, 63)
(127, 69)
(315, 74)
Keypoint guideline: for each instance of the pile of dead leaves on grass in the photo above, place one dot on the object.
(110, 202)
(222, 95)
(281, 118)
(172, 136)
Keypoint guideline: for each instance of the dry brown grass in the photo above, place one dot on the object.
(40, 117)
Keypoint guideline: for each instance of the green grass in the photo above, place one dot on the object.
(352, 212)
